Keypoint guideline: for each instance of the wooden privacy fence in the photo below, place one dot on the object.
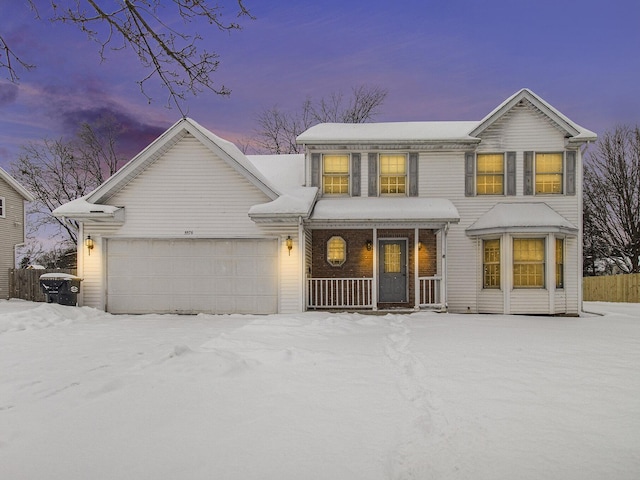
(25, 283)
(612, 288)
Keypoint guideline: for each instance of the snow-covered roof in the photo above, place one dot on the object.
(389, 132)
(415, 210)
(81, 209)
(16, 186)
(458, 132)
(290, 206)
(521, 217)
(285, 172)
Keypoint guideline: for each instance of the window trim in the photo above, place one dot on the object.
(562, 173)
(405, 193)
(347, 175)
(341, 261)
(478, 174)
(543, 263)
(559, 272)
(486, 285)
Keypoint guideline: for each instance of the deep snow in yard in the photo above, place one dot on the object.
(87, 395)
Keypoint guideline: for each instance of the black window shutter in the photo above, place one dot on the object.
(373, 174)
(315, 169)
(469, 174)
(528, 173)
(413, 174)
(571, 172)
(355, 174)
(511, 173)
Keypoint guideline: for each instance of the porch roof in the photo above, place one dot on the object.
(521, 217)
(413, 210)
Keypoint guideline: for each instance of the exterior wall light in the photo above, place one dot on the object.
(369, 245)
(289, 244)
(419, 245)
(89, 244)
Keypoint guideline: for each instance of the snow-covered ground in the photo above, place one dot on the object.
(87, 395)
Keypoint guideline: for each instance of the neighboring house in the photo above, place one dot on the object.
(473, 216)
(12, 225)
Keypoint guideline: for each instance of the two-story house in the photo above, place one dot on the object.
(12, 225)
(471, 216)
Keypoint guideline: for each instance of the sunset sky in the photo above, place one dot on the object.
(439, 60)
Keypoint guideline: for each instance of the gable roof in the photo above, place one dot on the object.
(224, 149)
(573, 131)
(16, 186)
(455, 132)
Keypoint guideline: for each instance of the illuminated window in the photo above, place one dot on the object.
(549, 168)
(336, 251)
(393, 174)
(491, 264)
(559, 263)
(528, 262)
(335, 174)
(392, 258)
(490, 176)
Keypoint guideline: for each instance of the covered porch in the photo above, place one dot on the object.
(355, 261)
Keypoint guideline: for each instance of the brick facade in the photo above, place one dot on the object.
(359, 260)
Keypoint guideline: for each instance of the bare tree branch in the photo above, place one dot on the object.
(8, 61)
(58, 171)
(173, 56)
(277, 130)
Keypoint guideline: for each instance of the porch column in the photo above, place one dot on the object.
(443, 289)
(416, 266)
(374, 286)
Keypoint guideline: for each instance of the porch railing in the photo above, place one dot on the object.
(340, 293)
(430, 291)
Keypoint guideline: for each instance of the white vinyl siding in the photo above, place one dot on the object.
(11, 232)
(189, 193)
(442, 175)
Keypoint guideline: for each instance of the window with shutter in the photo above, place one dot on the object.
(490, 174)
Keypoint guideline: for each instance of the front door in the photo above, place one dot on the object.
(392, 271)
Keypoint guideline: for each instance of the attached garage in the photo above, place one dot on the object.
(192, 275)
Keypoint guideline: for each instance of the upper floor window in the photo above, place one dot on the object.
(2, 207)
(528, 262)
(335, 174)
(490, 174)
(393, 174)
(549, 173)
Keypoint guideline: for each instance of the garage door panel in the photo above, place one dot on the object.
(192, 275)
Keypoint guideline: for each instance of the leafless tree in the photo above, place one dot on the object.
(612, 200)
(10, 61)
(58, 171)
(277, 130)
(147, 27)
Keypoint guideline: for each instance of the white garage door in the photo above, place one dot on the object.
(192, 276)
